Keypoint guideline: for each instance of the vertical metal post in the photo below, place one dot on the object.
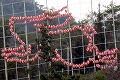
(113, 24)
(83, 50)
(15, 42)
(60, 35)
(47, 4)
(115, 67)
(28, 65)
(105, 37)
(93, 36)
(37, 46)
(70, 43)
(82, 35)
(68, 68)
(6, 72)
(47, 9)
(104, 31)
(92, 13)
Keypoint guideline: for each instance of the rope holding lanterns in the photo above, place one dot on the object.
(110, 60)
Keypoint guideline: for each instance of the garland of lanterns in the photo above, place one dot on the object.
(108, 57)
(28, 19)
(110, 60)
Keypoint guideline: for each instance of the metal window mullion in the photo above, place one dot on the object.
(47, 4)
(37, 46)
(6, 72)
(94, 54)
(82, 34)
(28, 65)
(60, 40)
(70, 43)
(83, 51)
(114, 32)
(104, 26)
(105, 38)
(68, 68)
(93, 36)
(60, 35)
(113, 24)
(15, 43)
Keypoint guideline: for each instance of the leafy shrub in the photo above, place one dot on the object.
(99, 75)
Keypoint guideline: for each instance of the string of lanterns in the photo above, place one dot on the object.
(27, 19)
(110, 60)
(108, 57)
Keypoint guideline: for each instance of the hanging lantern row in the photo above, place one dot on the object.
(54, 17)
(16, 51)
(84, 30)
(55, 12)
(41, 16)
(44, 16)
(108, 57)
(13, 51)
(110, 62)
(32, 59)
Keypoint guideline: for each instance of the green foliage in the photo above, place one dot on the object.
(45, 44)
(82, 77)
(53, 76)
(43, 77)
(67, 78)
(99, 75)
(112, 75)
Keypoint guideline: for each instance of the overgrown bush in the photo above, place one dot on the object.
(99, 75)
